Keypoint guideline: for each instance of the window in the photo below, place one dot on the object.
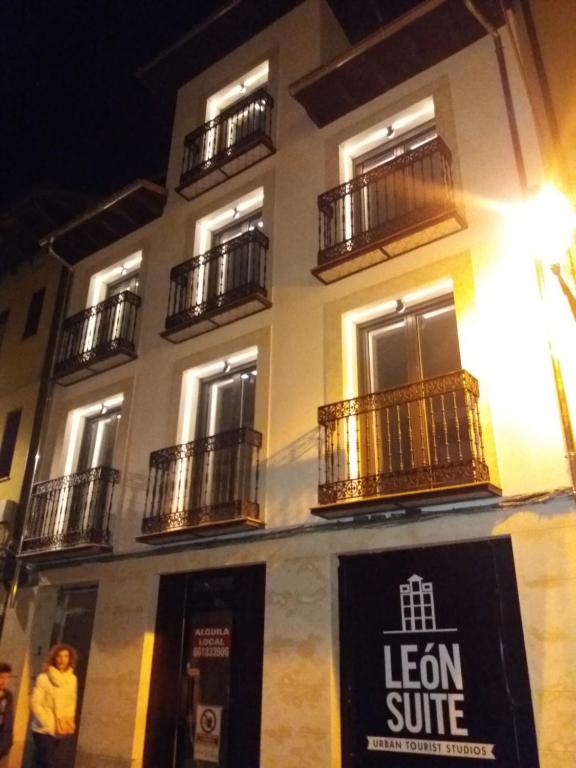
(409, 346)
(398, 350)
(34, 313)
(91, 433)
(4, 315)
(129, 282)
(9, 442)
(387, 196)
(237, 266)
(393, 148)
(98, 439)
(226, 401)
(114, 321)
(225, 406)
(122, 276)
(238, 120)
(92, 455)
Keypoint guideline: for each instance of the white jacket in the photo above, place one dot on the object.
(54, 696)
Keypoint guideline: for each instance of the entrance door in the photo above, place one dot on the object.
(73, 624)
(399, 350)
(205, 692)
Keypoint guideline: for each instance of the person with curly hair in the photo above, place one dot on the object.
(6, 713)
(53, 704)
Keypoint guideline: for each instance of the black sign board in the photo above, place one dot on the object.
(433, 667)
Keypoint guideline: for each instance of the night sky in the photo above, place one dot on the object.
(73, 114)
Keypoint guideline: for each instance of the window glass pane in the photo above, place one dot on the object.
(254, 221)
(228, 402)
(34, 312)
(127, 283)
(391, 149)
(388, 357)
(98, 438)
(438, 336)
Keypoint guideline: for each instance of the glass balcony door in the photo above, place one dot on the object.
(120, 316)
(389, 196)
(233, 267)
(226, 403)
(398, 351)
(89, 499)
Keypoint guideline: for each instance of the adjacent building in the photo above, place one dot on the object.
(303, 495)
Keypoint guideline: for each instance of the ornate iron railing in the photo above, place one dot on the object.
(214, 143)
(421, 435)
(71, 511)
(389, 199)
(209, 480)
(218, 278)
(98, 332)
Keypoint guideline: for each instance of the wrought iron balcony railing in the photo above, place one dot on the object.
(421, 436)
(97, 338)
(200, 487)
(396, 207)
(70, 513)
(220, 286)
(237, 138)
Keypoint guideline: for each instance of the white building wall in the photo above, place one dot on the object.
(300, 368)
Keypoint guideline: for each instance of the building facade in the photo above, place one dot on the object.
(310, 407)
(27, 301)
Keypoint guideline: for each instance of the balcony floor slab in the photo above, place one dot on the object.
(204, 530)
(236, 310)
(392, 241)
(407, 501)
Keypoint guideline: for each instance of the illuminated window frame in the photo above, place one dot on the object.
(237, 89)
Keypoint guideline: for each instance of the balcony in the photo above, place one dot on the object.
(401, 448)
(394, 208)
(218, 287)
(97, 338)
(202, 488)
(236, 139)
(70, 516)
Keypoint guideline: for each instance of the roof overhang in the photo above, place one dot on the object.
(221, 33)
(134, 206)
(429, 33)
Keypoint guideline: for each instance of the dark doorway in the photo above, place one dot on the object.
(73, 625)
(206, 684)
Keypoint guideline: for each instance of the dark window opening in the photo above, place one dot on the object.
(34, 313)
(9, 442)
(3, 323)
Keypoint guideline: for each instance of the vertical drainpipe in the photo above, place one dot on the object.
(563, 407)
(42, 404)
(507, 91)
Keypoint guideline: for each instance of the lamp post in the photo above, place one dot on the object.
(549, 223)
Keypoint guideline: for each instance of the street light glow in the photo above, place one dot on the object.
(545, 224)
